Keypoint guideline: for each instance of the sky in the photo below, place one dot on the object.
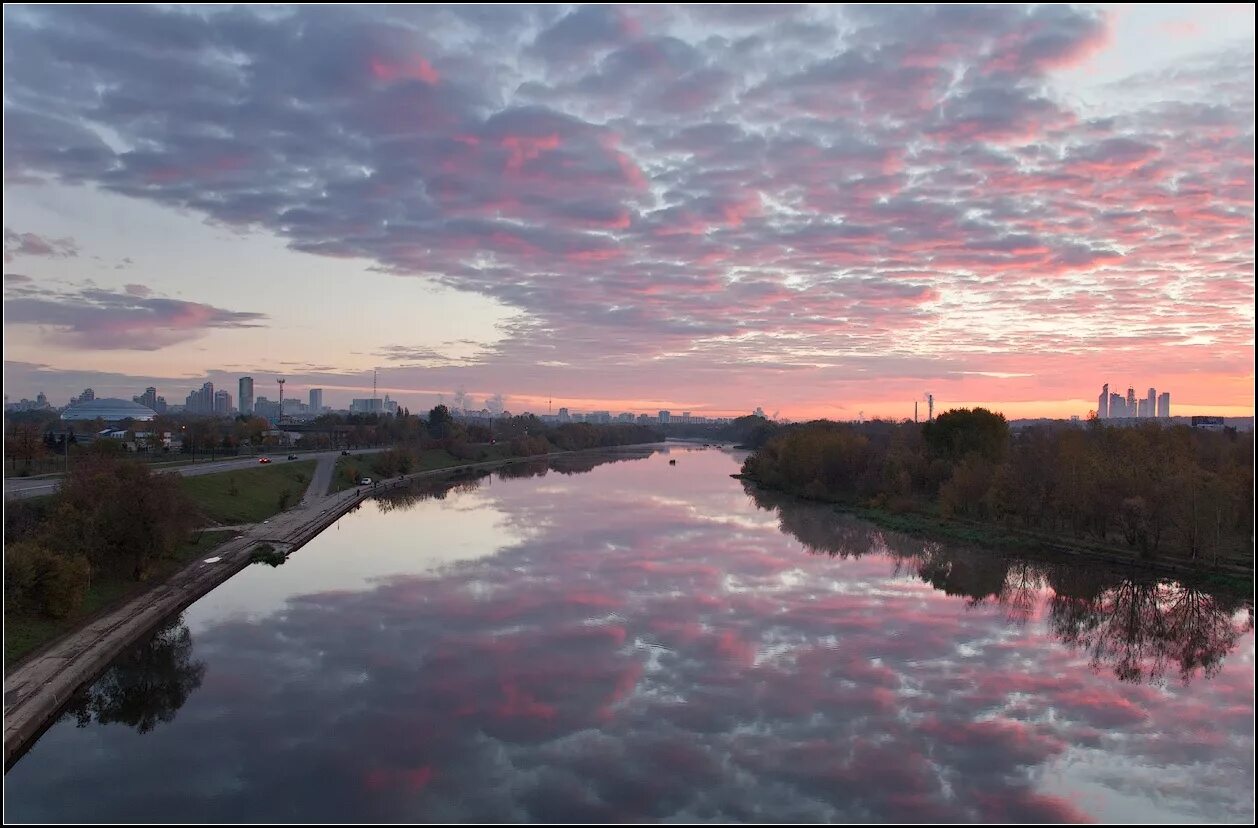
(823, 211)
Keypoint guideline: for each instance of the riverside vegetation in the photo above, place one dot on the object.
(1149, 491)
(440, 441)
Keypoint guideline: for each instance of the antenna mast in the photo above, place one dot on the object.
(281, 382)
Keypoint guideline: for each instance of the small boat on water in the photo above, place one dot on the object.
(672, 462)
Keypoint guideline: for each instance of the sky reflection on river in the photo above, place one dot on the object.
(647, 642)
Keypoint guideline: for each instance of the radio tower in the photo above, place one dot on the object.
(374, 404)
(281, 382)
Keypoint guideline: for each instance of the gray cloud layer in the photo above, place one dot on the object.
(719, 182)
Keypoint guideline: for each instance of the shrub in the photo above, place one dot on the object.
(267, 554)
(38, 579)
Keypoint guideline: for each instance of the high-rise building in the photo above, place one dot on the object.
(268, 409)
(1131, 401)
(202, 401)
(1151, 404)
(1102, 402)
(222, 403)
(1117, 406)
(564, 416)
(316, 400)
(665, 417)
(148, 399)
(205, 398)
(246, 395)
(1142, 407)
(1164, 404)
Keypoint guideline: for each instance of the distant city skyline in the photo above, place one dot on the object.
(352, 401)
(822, 210)
(1112, 405)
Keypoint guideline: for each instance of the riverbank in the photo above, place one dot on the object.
(1226, 573)
(38, 687)
(26, 633)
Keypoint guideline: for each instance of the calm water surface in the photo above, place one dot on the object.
(638, 641)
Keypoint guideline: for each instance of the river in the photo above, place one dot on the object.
(583, 640)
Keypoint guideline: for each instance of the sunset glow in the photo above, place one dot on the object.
(825, 212)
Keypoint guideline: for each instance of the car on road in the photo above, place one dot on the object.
(264, 459)
(292, 457)
(366, 481)
(345, 454)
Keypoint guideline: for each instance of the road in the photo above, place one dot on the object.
(20, 487)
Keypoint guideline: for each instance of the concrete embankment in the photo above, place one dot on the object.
(38, 688)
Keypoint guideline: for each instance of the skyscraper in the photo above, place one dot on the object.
(1117, 406)
(1142, 407)
(246, 395)
(222, 403)
(316, 401)
(148, 398)
(201, 401)
(1151, 404)
(1164, 404)
(1102, 402)
(1131, 402)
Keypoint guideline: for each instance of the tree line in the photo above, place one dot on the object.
(1153, 489)
(520, 436)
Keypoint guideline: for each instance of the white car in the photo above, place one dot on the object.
(366, 481)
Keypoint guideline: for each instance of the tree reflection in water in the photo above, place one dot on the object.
(528, 468)
(145, 685)
(584, 462)
(436, 488)
(1137, 625)
(417, 491)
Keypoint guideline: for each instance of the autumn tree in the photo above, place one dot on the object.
(121, 515)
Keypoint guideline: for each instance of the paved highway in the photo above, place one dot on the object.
(19, 487)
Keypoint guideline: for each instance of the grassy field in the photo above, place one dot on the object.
(429, 460)
(23, 632)
(249, 495)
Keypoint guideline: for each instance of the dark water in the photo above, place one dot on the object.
(638, 641)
